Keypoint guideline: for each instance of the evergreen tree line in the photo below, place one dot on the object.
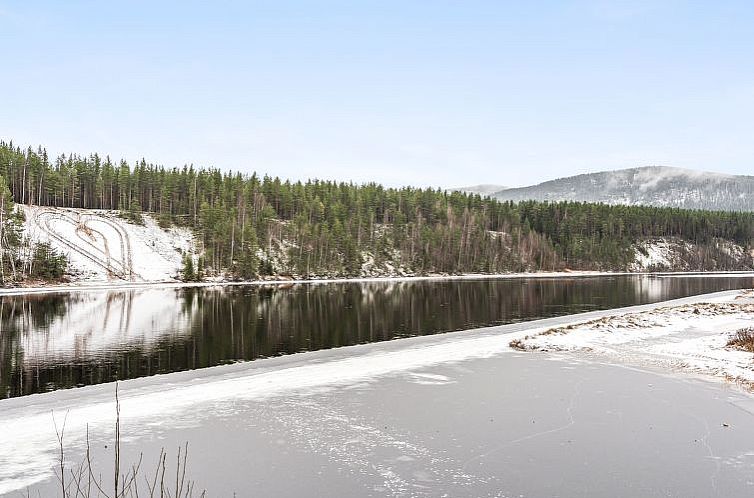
(251, 225)
(20, 258)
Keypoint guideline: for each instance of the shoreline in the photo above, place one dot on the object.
(689, 338)
(103, 285)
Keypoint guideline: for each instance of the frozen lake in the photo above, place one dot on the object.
(69, 339)
(458, 414)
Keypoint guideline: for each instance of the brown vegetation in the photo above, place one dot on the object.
(743, 339)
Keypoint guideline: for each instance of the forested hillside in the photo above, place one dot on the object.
(251, 226)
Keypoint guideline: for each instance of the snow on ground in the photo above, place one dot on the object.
(658, 253)
(388, 268)
(102, 247)
(731, 249)
(674, 254)
(689, 337)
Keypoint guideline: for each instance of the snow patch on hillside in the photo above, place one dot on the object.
(657, 254)
(674, 254)
(385, 267)
(101, 246)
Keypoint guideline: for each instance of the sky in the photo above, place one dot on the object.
(426, 93)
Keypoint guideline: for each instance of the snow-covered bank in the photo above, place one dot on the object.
(690, 337)
(157, 400)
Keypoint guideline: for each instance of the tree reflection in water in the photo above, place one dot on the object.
(62, 340)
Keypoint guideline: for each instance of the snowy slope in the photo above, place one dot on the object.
(674, 254)
(653, 185)
(104, 247)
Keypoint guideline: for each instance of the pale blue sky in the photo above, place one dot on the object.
(435, 92)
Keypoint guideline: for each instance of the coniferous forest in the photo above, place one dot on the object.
(327, 228)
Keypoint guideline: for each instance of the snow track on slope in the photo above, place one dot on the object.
(100, 246)
(86, 243)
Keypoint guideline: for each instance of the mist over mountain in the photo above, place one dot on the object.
(651, 185)
(483, 189)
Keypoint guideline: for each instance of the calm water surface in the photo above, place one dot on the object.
(70, 339)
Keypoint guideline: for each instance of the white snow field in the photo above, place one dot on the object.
(102, 247)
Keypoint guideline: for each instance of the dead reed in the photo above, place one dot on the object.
(84, 480)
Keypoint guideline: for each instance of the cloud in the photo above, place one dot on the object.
(650, 178)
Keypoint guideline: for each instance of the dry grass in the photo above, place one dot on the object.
(518, 344)
(743, 339)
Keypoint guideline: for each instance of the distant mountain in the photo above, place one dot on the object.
(652, 185)
(483, 190)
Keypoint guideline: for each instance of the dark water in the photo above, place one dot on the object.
(71, 339)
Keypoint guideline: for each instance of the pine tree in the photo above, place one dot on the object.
(188, 273)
